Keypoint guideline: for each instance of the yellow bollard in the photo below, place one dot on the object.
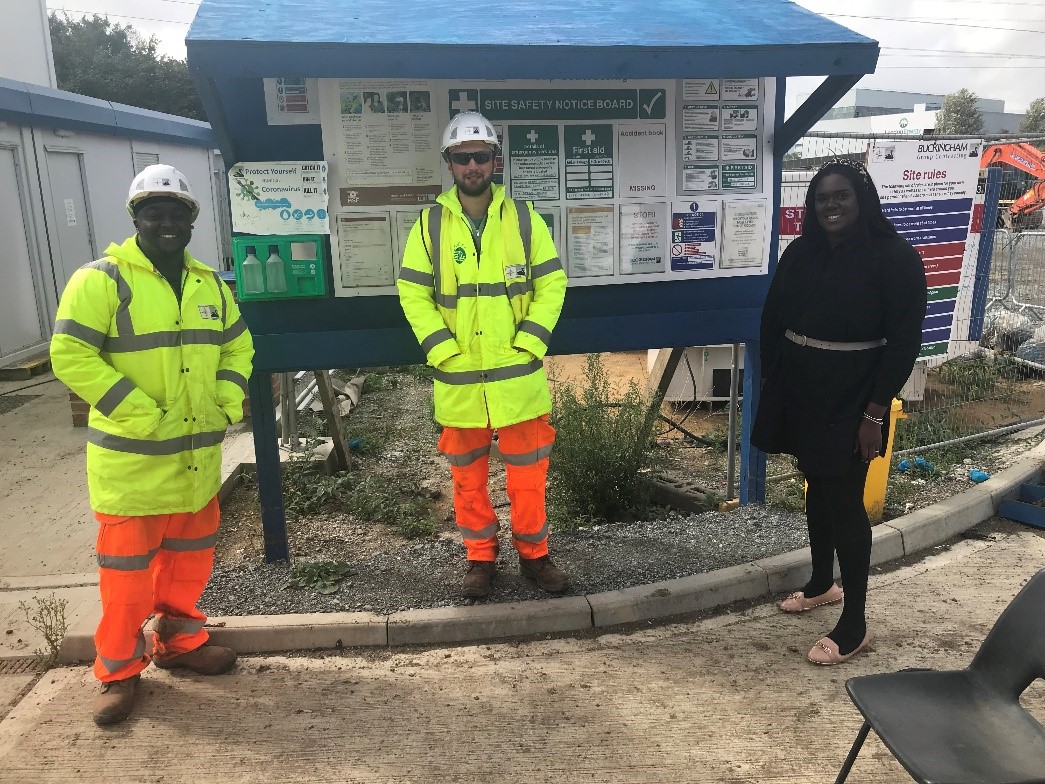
(878, 470)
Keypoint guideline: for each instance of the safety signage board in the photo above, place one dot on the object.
(928, 191)
(534, 161)
(589, 161)
(694, 236)
(611, 166)
(279, 197)
(575, 103)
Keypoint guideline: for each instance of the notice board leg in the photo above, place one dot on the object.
(270, 480)
(752, 459)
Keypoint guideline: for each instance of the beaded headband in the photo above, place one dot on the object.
(849, 163)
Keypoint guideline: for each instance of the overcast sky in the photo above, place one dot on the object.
(993, 47)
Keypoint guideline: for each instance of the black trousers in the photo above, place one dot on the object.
(838, 524)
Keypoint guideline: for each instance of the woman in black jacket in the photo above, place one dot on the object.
(841, 329)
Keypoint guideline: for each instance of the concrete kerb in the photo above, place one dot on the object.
(906, 535)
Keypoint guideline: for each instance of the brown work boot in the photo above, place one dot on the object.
(115, 701)
(206, 660)
(549, 577)
(476, 582)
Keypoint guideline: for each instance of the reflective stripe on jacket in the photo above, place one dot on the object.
(163, 382)
(483, 318)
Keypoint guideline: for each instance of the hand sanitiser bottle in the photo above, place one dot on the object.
(275, 275)
(253, 278)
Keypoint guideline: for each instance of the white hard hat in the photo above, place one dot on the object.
(468, 127)
(161, 180)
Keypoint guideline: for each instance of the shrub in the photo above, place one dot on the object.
(603, 446)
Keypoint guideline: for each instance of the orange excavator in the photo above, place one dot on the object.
(1024, 212)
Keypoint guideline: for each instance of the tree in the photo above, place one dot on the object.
(959, 113)
(1034, 122)
(95, 57)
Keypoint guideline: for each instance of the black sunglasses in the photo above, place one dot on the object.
(481, 157)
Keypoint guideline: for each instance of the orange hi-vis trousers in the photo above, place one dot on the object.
(525, 447)
(152, 564)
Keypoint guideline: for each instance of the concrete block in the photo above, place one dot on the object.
(790, 571)
(676, 597)
(886, 543)
(1005, 485)
(236, 450)
(787, 571)
(78, 643)
(489, 621)
(304, 631)
(928, 527)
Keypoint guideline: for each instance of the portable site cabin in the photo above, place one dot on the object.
(648, 135)
(65, 163)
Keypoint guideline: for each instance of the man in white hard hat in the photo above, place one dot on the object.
(153, 340)
(482, 287)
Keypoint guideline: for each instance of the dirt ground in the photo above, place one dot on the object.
(403, 423)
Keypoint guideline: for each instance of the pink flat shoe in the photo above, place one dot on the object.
(797, 602)
(825, 651)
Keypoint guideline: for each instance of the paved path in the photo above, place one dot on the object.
(725, 699)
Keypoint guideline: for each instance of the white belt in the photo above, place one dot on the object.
(832, 345)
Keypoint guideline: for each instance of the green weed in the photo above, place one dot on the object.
(383, 500)
(321, 576)
(307, 489)
(47, 616)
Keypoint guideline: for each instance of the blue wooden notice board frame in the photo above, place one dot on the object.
(234, 44)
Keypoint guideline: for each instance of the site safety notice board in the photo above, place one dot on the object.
(638, 181)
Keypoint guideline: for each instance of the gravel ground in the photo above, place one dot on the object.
(601, 558)
(390, 573)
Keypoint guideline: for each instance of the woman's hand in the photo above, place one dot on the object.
(869, 436)
(868, 440)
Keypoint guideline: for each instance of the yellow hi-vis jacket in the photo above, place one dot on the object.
(483, 318)
(163, 381)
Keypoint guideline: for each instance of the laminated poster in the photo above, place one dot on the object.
(739, 117)
(641, 152)
(590, 235)
(365, 249)
(533, 161)
(279, 197)
(700, 90)
(384, 138)
(642, 238)
(740, 90)
(694, 235)
(404, 222)
(743, 234)
(292, 101)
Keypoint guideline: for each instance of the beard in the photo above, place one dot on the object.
(473, 187)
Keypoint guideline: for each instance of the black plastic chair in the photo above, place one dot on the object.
(965, 726)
